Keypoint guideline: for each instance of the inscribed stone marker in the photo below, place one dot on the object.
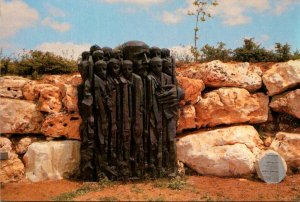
(271, 167)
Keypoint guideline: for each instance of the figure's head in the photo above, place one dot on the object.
(100, 69)
(127, 68)
(117, 54)
(107, 53)
(155, 52)
(98, 55)
(167, 67)
(140, 68)
(94, 48)
(83, 69)
(85, 55)
(165, 53)
(156, 65)
(114, 67)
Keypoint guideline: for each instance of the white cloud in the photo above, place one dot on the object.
(283, 5)
(68, 50)
(171, 18)
(14, 16)
(137, 2)
(232, 12)
(54, 11)
(61, 27)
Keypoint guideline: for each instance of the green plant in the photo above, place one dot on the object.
(108, 198)
(201, 14)
(177, 183)
(73, 194)
(136, 189)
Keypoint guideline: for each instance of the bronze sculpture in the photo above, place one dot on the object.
(128, 101)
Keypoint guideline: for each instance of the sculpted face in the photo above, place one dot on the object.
(165, 53)
(100, 69)
(127, 68)
(98, 55)
(167, 67)
(114, 67)
(156, 65)
(155, 52)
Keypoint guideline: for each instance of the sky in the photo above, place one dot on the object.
(68, 27)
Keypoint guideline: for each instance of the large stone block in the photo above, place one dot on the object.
(230, 151)
(11, 169)
(19, 116)
(11, 86)
(187, 116)
(282, 76)
(218, 74)
(231, 105)
(192, 89)
(50, 99)
(288, 146)
(70, 100)
(51, 160)
(61, 124)
(287, 102)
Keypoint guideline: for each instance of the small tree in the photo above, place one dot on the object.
(283, 52)
(200, 13)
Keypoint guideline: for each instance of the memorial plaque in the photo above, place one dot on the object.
(3, 155)
(271, 167)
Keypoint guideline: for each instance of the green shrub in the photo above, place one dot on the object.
(36, 63)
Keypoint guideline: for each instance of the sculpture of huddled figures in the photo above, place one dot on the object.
(102, 107)
(135, 104)
(128, 102)
(85, 101)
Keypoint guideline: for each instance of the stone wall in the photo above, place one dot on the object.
(230, 113)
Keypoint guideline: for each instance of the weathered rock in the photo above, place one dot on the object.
(288, 146)
(11, 86)
(70, 99)
(31, 90)
(72, 79)
(50, 99)
(287, 123)
(287, 102)
(282, 76)
(11, 169)
(23, 144)
(187, 116)
(51, 160)
(231, 105)
(230, 151)
(61, 124)
(217, 74)
(19, 116)
(192, 89)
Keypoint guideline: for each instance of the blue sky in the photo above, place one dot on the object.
(73, 25)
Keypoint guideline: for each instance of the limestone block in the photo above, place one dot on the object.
(231, 105)
(51, 160)
(287, 102)
(282, 76)
(218, 74)
(19, 116)
(11, 86)
(230, 151)
(61, 124)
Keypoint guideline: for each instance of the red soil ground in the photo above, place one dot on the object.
(204, 188)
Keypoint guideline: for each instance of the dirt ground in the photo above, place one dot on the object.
(191, 188)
